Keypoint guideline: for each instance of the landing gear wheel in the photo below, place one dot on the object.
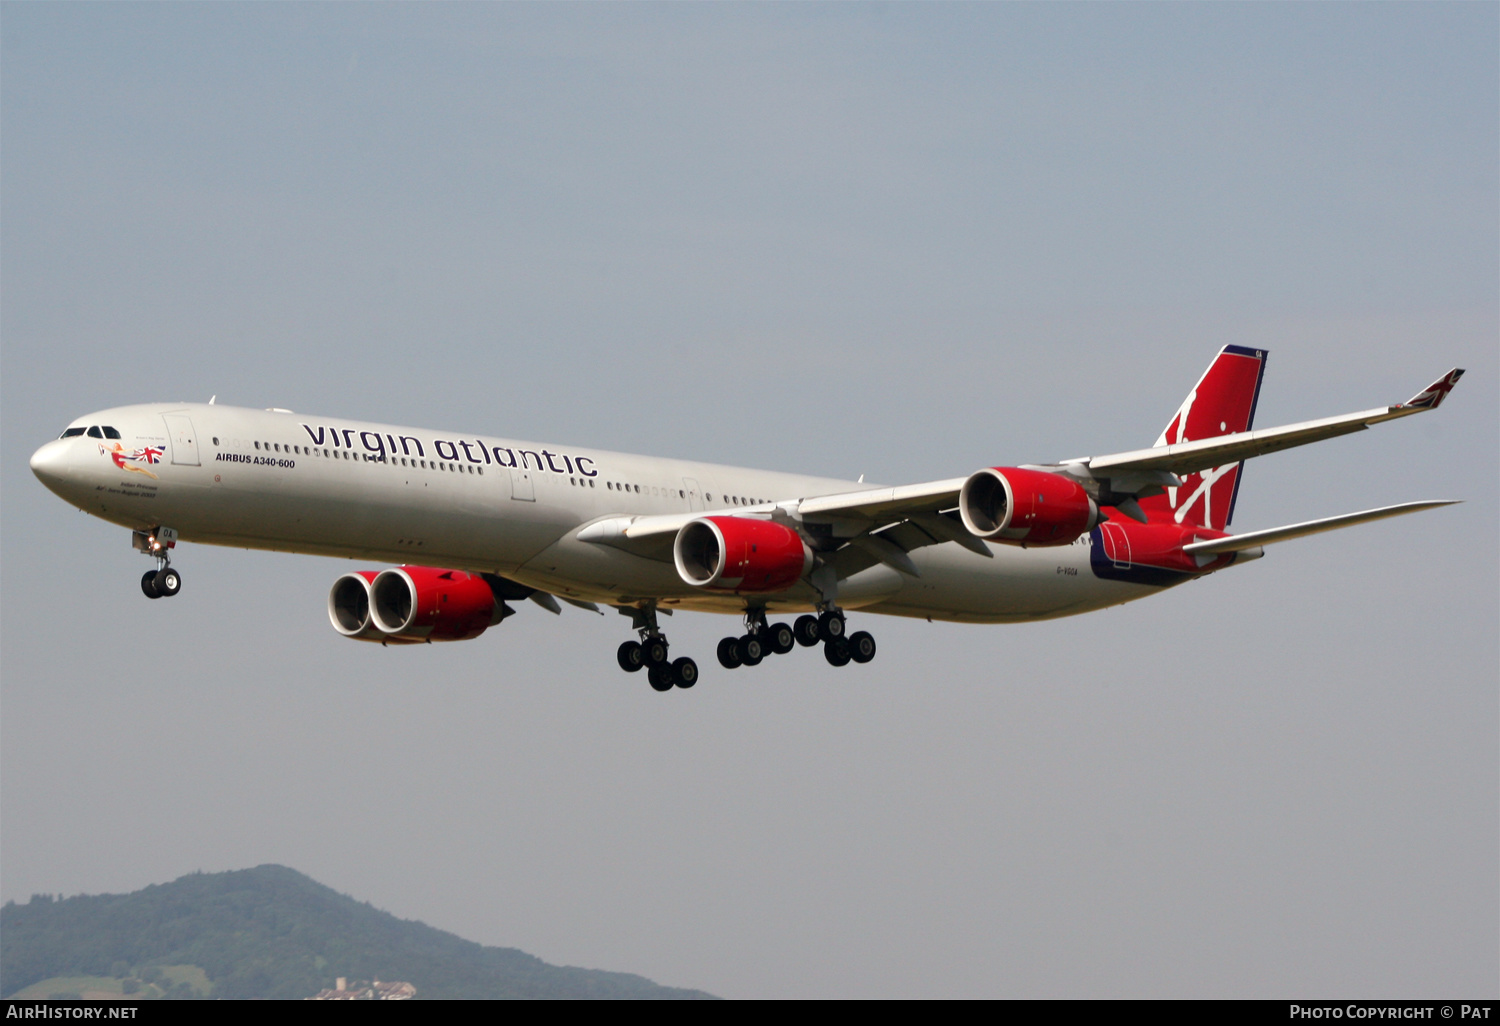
(148, 585)
(655, 652)
(781, 639)
(750, 650)
(831, 626)
(861, 647)
(630, 656)
(660, 677)
(806, 630)
(836, 652)
(685, 672)
(729, 653)
(168, 582)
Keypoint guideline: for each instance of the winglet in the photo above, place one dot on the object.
(1431, 397)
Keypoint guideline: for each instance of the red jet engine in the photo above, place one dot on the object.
(740, 554)
(413, 604)
(1025, 507)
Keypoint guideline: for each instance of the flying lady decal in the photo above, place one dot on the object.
(150, 454)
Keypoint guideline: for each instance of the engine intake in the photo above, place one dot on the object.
(1025, 507)
(349, 607)
(740, 554)
(413, 604)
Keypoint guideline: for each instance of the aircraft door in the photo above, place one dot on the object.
(694, 494)
(521, 487)
(184, 438)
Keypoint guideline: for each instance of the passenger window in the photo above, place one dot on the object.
(257, 445)
(71, 433)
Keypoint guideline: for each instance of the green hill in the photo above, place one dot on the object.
(270, 932)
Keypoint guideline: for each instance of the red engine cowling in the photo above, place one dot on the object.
(412, 604)
(740, 554)
(1025, 507)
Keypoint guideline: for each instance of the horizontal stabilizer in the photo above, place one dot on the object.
(1256, 539)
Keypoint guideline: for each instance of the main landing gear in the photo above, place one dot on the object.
(163, 582)
(652, 652)
(827, 628)
(760, 640)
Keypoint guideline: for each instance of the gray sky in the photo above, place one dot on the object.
(904, 241)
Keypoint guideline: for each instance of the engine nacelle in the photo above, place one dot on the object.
(1025, 507)
(413, 604)
(349, 606)
(740, 554)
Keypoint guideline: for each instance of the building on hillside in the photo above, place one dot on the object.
(366, 990)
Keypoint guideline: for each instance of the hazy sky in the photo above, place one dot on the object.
(904, 241)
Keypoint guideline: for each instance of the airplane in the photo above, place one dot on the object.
(476, 522)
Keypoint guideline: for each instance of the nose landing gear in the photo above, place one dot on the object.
(163, 582)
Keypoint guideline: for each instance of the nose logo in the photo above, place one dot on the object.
(122, 457)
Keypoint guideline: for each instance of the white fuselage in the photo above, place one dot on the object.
(332, 487)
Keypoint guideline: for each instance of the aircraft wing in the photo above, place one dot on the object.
(1205, 454)
(886, 523)
(883, 524)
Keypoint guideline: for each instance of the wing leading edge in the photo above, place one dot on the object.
(1188, 457)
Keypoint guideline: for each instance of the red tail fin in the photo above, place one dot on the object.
(1222, 403)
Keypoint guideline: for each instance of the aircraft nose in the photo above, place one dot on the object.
(50, 464)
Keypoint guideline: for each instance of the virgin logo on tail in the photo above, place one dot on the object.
(1222, 403)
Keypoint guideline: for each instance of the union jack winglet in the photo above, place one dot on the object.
(1431, 397)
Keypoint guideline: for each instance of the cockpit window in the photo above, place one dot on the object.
(94, 432)
(110, 432)
(71, 433)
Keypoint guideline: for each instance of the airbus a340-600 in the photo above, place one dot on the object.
(477, 522)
